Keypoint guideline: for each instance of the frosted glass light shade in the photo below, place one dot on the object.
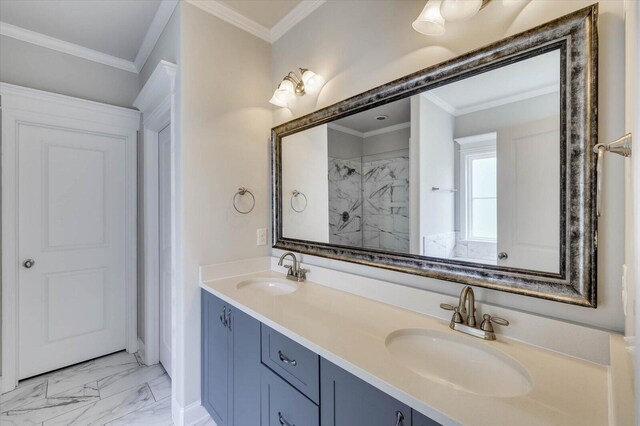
(459, 10)
(285, 93)
(312, 81)
(277, 102)
(430, 20)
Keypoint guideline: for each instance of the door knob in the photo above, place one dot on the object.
(29, 263)
(503, 256)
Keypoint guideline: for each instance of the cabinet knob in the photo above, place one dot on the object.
(503, 255)
(29, 263)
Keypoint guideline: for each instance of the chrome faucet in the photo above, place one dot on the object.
(467, 324)
(294, 271)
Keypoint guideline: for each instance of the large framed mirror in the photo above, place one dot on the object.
(479, 170)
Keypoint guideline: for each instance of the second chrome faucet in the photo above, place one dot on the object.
(464, 317)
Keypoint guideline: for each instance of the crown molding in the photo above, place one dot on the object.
(297, 14)
(363, 135)
(387, 129)
(42, 40)
(160, 20)
(229, 15)
(346, 130)
(160, 84)
(456, 112)
(270, 35)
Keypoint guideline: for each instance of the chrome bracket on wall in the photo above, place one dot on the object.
(621, 146)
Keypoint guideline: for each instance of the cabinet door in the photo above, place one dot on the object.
(419, 419)
(215, 360)
(349, 401)
(245, 332)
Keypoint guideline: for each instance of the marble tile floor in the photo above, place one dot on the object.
(113, 390)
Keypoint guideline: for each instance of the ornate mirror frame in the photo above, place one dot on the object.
(575, 35)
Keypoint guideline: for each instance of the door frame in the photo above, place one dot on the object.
(157, 102)
(24, 105)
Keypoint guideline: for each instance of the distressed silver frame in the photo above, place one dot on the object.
(575, 35)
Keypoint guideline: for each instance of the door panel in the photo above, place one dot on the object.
(529, 193)
(164, 197)
(72, 224)
(246, 369)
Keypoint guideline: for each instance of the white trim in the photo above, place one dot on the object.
(387, 129)
(192, 414)
(270, 35)
(456, 112)
(19, 103)
(380, 131)
(471, 148)
(42, 40)
(160, 20)
(156, 100)
(33, 100)
(297, 14)
(346, 130)
(225, 13)
(439, 102)
(484, 139)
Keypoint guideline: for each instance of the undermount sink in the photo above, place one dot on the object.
(272, 286)
(459, 362)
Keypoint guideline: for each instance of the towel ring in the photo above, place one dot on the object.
(242, 191)
(295, 195)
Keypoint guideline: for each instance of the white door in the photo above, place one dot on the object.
(164, 197)
(529, 195)
(72, 215)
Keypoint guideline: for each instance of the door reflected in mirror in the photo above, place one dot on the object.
(468, 171)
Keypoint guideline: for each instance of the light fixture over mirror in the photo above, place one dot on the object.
(431, 20)
(296, 84)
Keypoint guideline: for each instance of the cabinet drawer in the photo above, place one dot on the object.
(292, 361)
(282, 405)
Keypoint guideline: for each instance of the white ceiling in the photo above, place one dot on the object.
(116, 28)
(266, 13)
(525, 79)
(399, 112)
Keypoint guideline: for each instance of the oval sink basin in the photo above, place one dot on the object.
(272, 286)
(459, 363)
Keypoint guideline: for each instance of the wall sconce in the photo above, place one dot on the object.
(293, 85)
(431, 20)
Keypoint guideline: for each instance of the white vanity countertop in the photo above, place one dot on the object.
(350, 331)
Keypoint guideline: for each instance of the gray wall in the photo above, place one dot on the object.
(343, 145)
(356, 48)
(386, 142)
(225, 86)
(28, 65)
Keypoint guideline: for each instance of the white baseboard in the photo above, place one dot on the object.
(191, 415)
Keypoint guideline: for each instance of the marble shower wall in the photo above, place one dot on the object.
(345, 201)
(386, 201)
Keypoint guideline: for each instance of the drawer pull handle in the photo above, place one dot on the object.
(223, 316)
(282, 420)
(399, 418)
(286, 359)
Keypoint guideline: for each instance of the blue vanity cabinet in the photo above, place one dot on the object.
(230, 363)
(350, 401)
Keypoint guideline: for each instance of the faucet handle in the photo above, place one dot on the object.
(487, 322)
(457, 318)
(302, 274)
